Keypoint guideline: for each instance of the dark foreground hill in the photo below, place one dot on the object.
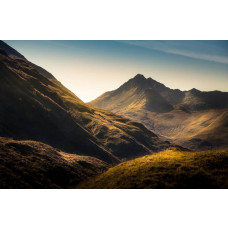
(168, 169)
(30, 164)
(193, 119)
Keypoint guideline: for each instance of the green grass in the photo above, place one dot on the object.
(168, 169)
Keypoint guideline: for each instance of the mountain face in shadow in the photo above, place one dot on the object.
(194, 119)
(38, 108)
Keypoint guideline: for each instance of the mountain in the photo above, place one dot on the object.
(172, 169)
(193, 119)
(38, 108)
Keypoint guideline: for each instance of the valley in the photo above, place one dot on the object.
(141, 135)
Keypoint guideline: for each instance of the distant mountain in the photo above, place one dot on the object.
(137, 93)
(191, 118)
(35, 107)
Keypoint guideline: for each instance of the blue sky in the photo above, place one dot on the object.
(90, 68)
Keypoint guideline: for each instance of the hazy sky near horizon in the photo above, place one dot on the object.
(90, 68)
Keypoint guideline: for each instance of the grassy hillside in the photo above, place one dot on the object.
(30, 164)
(169, 169)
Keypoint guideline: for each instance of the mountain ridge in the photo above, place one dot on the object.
(16, 55)
(164, 110)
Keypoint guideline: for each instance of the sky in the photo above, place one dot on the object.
(90, 68)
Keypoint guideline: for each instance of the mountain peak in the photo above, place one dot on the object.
(10, 51)
(139, 77)
(194, 90)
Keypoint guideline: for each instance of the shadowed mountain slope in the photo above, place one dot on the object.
(33, 107)
(190, 118)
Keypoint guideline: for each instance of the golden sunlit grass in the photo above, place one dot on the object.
(169, 169)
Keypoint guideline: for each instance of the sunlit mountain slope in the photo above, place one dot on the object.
(193, 119)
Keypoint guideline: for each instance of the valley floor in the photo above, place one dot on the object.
(168, 169)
